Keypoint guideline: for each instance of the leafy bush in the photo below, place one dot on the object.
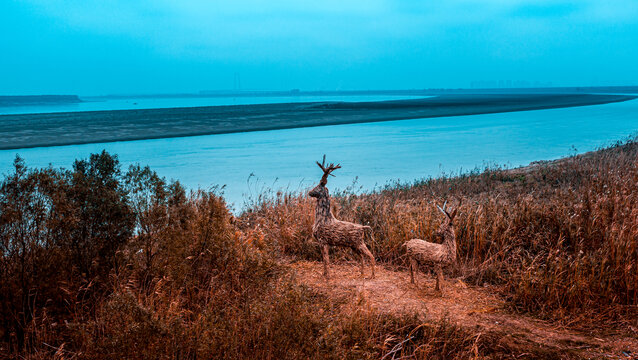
(99, 264)
(59, 233)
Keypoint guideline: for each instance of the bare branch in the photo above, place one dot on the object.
(326, 170)
(323, 163)
(442, 209)
(446, 212)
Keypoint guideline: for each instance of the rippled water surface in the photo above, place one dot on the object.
(375, 153)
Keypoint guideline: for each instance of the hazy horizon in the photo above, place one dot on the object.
(93, 48)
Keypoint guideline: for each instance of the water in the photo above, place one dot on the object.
(105, 103)
(375, 153)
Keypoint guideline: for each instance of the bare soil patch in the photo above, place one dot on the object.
(478, 308)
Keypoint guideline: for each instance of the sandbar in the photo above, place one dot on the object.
(70, 128)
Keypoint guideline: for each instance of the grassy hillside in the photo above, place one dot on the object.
(100, 263)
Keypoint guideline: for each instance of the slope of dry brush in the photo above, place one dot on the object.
(561, 237)
(100, 263)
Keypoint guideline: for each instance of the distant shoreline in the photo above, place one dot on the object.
(628, 89)
(74, 128)
(29, 100)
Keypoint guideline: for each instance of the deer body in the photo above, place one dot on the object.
(434, 255)
(328, 231)
(431, 254)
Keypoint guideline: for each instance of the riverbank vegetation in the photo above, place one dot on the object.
(101, 262)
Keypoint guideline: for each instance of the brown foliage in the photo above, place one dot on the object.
(96, 264)
(59, 232)
(561, 237)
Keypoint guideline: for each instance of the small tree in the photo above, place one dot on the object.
(103, 221)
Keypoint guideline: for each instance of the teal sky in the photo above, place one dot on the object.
(91, 47)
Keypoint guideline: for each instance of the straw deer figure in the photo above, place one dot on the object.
(434, 255)
(332, 232)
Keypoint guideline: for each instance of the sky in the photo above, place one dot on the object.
(97, 47)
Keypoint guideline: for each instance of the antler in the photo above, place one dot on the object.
(446, 213)
(326, 170)
(442, 209)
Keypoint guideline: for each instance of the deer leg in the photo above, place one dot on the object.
(326, 260)
(439, 278)
(364, 251)
(360, 253)
(413, 269)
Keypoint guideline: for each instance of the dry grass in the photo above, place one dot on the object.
(180, 277)
(477, 310)
(561, 236)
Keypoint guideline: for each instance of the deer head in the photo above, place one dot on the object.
(446, 230)
(320, 190)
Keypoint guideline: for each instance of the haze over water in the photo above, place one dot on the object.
(372, 154)
(129, 103)
(148, 47)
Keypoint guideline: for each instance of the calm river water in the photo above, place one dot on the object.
(371, 154)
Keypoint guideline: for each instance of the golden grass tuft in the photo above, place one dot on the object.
(177, 276)
(561, 237)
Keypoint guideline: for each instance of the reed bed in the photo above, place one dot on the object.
(560, 237)
(96, 263)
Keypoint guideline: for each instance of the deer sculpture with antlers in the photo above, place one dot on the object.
(432, 254)
(332, 232)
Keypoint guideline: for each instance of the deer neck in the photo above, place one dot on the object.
(449, 239)
(323, 213)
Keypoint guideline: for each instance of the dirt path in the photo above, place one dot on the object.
(466, 306)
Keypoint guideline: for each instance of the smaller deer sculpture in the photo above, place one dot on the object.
(434, 255)
(332, 232)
